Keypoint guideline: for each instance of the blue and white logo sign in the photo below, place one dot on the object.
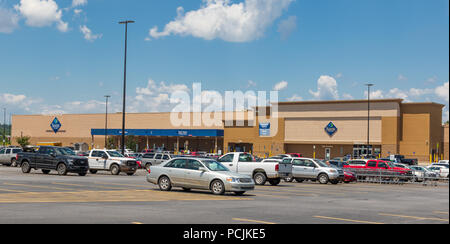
(56, 125)
(331, 129)
(264, 129)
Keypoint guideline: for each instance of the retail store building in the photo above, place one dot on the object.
(324, 129)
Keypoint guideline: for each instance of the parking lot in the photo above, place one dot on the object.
(103, 198)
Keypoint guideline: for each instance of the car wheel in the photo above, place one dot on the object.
(274, 182)
(26, 167)
(82, 174)
(239, 193)
(323, 179)
(62, 169)
(130, 174)
(165, 184)
(115, 170)
(13, 162)
(299, 180)
(289, 179)
(93, 171)
(334, 182)
(260, 178)
(217, 187)
(46, 171)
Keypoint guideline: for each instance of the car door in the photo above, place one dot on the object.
(298, 168)
(2, 155)
(158, 159)
(49, 159)
(309, 170)
(194, 177)
(176, 170)
(6, 157)
(228, 161)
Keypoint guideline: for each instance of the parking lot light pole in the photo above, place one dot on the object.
(106, 122)
(368, 117)
(125, 82)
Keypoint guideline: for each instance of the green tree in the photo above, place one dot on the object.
(23, 141)
(131, 142)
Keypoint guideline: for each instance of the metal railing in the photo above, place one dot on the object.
(395, 177)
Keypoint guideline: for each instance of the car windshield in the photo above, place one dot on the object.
(115, 154)
(214, 165)
(390, 164)
(321, 163)
(64, 151)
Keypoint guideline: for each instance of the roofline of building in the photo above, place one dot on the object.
(340, 101)
(425, 103)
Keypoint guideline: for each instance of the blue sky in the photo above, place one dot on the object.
(63, 56)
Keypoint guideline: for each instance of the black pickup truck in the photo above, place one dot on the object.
(48, 158)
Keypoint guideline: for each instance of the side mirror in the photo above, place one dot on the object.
(105, 156)
(53, 154)
(203, 169)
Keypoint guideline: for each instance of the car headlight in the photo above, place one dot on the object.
(232, 179)
(333, 171)
(70, 161)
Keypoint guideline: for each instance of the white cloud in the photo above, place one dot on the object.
(76, 3)
(327, 89)
(295, 98)
(222, 19)
(402, 77)
(287, 26)
(443, 91)
(88, 34)
(8, 20)
(280, 86)
(42, 13)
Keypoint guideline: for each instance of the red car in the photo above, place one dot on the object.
(376, 165)
(296, 155)
(349, 177)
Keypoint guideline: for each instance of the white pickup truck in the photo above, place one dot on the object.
(244, 163)
(110, 160)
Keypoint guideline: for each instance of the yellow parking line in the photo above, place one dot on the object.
(8, 190)
(137, 223)
(439, 212)
(254, 221)
(413, 217)
(348, 220)
(42, 187)
(94, 186)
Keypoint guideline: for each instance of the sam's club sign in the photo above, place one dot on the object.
(56, 126)
(331, 129)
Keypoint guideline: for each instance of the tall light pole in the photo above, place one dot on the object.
(4, 126)
(106, 122)
(368, 117)
(125, 82)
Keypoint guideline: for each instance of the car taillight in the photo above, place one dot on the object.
(277, 167)
(149, 170)
(17, 157)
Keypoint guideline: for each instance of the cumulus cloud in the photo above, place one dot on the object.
(287, 26)
(443, 91)
(280, 86)
(327, 89)
(88, 35)
(295, 98)
(8, 20)
(222, 19)
(42, 13)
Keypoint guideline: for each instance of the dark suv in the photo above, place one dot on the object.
(48, 158)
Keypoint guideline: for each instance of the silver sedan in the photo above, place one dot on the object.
(199, 173)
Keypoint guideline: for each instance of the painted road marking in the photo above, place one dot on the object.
(9, 190)
(92, 186)
(348, 220)
(111, 196)
(254, 221)
(41, 187)
(439, 212)
(413, 217)
(137, 223)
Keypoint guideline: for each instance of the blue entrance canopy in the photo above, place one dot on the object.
(158, 132)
